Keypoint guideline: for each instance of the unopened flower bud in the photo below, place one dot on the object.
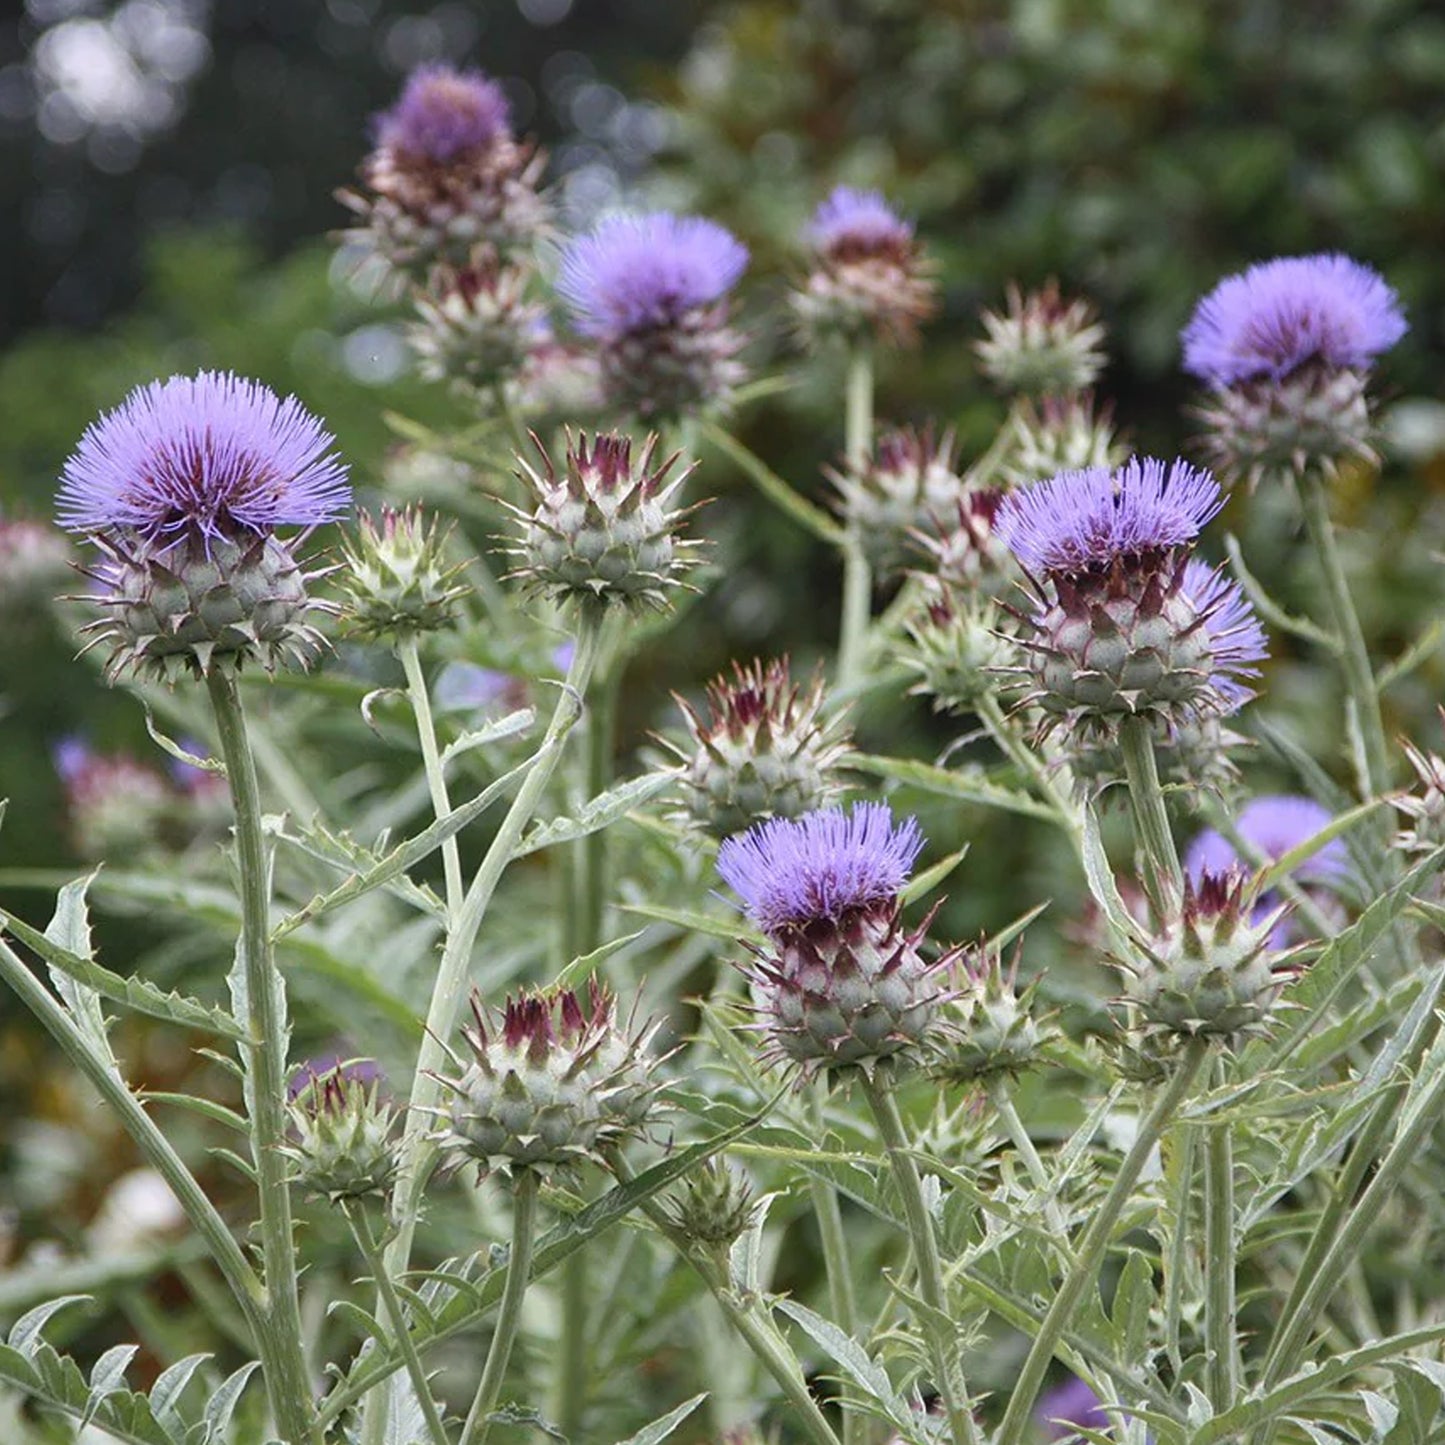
(395, 575)
(550, 1083)
(842, 984)
(764, 751)
(476, 325)
(908, 485)
(956, 648)
(990, 1028)
(343, 1143)
(963, 547)
(34, 560)
(1059, 434)
(712, 1206)
(117, 806)
(1211, 969)
(869, 280)
(1424, 806)
(1042, 345)
(602, 533)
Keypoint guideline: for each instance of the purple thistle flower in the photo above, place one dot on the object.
(790, 872)
(203, 456)
(633, 273)
(1082, 520)
(1279, 314)
(1067, 1408)
(444, 113)
(1236, 640)
(1273, 824)
(857, 222)
(464, 686)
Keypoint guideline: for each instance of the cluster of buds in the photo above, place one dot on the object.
(1058, 434)
(712, 1206)
(182, 488)
(765, 749)
(395, 576)
(1213, 968)
(650, 293)
(1119, 626)
(602, 533)
(907, 487)
(1285, 350)
(343, 1143)
(550, 1083)
(869, 280)
(1043, 345)
(990, 1029)
(956, 646)
(476, 324)
(447, 181)
(841, 984)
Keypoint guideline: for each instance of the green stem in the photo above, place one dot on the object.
(1003, 1106)
(1220, 1306)
(436, 782)
(1033, 767)
(857, 578)
(521, 442)
(837, 1263)
(509, 1313)
(1354, 656)
(1176, 1261)
(933, 1320)
(417, 1150)
(153, 1145)
(1151, 821)
(356, 1217)
(284, 1353)
(1089, 1259)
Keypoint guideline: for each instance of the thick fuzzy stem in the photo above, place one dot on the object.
(857, 578)
(431, 761)
(1151, 821)
(283, 1353)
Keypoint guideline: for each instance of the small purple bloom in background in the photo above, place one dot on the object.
(1236, 640)
(790, 872)
(1279, 314)
(1064, 1410)
(635, 272)
(857, 222)
(1079, 521)
(563, 654)
(1274, 825)
(464, 686)
(203, 456)
(444, 113)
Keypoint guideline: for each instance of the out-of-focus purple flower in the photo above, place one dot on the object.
(199, 784)
(791, 872)
(1273, 824)
(1085, 520)
(857, 222)
(116, 804)
(464, 686)
(1277, 315)
(444, 112)
(1067, 1408)
(1236, 640)
(635, 272)
(33, 562)
(563, 654)
(204, 456)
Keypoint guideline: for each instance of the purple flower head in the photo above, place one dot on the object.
(1069, 1407)
(1274, 825)
(1236, 640)
(1279, 314)
(1081, 520)
(790, 872)
(443, 113)
(857, 222)
(633, 273)
(202, 456)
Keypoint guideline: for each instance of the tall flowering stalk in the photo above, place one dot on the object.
(182, 488)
